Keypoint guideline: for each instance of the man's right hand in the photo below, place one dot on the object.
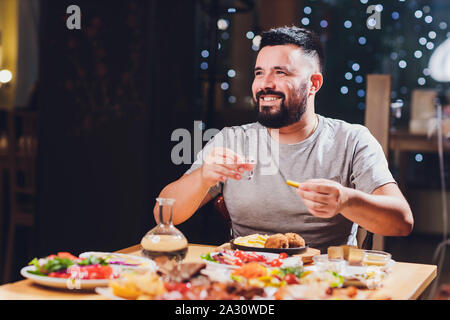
(221, 164)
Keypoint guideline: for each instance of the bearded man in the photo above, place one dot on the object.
(343, 173)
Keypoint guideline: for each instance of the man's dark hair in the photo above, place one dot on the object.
(301, 37)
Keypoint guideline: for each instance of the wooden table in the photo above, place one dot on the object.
(407, 281)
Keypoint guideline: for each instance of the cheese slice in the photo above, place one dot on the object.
(346, 249)
(335, 253)
(355, 257)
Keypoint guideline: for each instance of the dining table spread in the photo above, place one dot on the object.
(406, 282)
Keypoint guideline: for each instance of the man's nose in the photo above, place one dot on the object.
(268, 82)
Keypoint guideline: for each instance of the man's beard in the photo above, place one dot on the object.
(287, 115)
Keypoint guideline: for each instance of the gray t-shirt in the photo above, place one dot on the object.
(339, 151)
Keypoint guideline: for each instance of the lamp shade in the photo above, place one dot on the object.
(439, 64)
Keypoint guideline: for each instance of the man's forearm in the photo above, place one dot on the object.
(189, 191)
(381, 214)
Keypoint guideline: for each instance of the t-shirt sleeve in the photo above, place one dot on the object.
(370, 167)
(215, 141)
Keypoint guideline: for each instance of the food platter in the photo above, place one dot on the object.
(289, 251)
(85, 272)
(234, 259)
(60, 283)
(362, 276)
(122, 261)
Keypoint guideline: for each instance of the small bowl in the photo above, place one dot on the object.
(376, 258)
(334, 265)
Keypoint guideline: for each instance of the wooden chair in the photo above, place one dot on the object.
(377, 116)
(22, 151)
(378, 95)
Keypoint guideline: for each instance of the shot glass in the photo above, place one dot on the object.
(250, 162)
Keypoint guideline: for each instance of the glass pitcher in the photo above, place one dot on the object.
(164, 241)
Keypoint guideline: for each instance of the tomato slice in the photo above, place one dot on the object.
(283, 255)
(275, 263)
(67, 255)
(175, 286)
(291, 279)
(59, 274)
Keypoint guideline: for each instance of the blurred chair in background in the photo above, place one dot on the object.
(22, 151)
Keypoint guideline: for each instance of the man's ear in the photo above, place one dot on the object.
(316, 83)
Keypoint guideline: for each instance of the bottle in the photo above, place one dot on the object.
(164, 240)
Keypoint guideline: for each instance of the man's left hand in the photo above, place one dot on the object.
(323, 198)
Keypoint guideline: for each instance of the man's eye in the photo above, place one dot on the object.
(281, 72)
(258, 73)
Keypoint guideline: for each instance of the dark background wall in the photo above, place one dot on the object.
(111, 94)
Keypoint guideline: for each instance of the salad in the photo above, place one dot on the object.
(66, 265)
(257, 275)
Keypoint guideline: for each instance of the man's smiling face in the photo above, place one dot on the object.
(281, 84)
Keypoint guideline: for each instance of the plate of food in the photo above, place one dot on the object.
(66, 271)
(185, 281)
(237, 258)
(289, 243)
(123, 261)
(360, 268)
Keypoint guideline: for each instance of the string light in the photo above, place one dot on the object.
(222, 24)
(305, 21)
(307, 10)
(324, 23)
(348, 76)
(250, 35)
(402, 64)
(418, 54)
(344, 90)
(205, 53)
(428, 19)
(231, 73)
(347, 24)
(379, 8)
(418, 14)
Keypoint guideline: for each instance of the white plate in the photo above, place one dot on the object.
(144, 263)
(70, 284)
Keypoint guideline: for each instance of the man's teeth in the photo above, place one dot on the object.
(270, 98)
